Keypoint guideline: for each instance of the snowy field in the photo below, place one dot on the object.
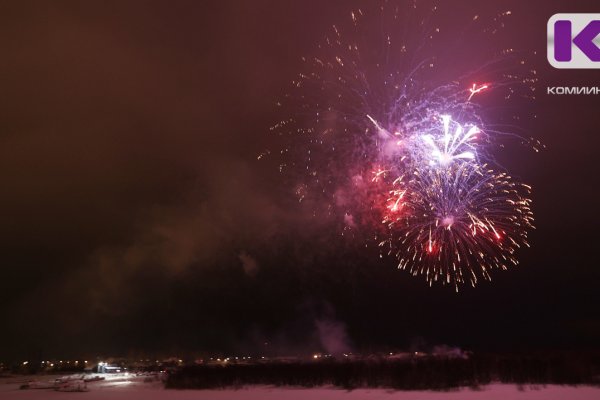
(131, 387)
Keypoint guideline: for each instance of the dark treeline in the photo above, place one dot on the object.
(423, 373)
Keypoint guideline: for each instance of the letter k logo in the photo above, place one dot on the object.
(585, 41)
(574, 40)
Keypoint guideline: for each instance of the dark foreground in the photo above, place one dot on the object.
(414, 373)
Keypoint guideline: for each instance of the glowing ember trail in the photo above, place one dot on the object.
(476, 89)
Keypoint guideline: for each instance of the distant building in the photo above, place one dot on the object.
(105, 368)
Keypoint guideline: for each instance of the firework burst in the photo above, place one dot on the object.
(456, 224)
(392, 152)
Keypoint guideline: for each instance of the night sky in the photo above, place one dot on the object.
(135, 216)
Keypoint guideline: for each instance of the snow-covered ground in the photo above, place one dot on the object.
(131, 387)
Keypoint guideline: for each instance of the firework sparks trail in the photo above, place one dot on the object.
(476, 89)
(448, 149)
(409, 162)
(458, 223)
